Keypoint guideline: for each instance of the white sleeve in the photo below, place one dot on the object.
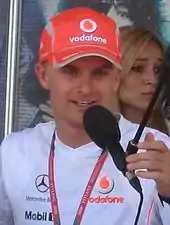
(163, 210)
(159, 214)
(6, 215)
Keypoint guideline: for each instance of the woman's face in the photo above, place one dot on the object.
(138, 86)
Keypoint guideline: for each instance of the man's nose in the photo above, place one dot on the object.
(85, 84)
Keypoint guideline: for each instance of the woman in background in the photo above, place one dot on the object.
(142, 55)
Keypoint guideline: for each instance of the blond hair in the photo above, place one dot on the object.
(133, 42)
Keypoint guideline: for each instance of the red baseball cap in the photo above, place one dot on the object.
(79, 32)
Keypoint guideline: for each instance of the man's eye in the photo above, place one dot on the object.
(69, 71)
(101, 72)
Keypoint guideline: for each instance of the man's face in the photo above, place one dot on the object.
(79, 85)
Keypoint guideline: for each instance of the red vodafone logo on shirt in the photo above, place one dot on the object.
(105, 186)
(88, 25)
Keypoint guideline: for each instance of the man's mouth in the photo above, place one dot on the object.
(84, 103)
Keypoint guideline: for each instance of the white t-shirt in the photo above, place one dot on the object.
(24, 188)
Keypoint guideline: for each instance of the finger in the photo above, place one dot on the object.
(149, 137)
(149, 156)
(155, 175)
(147, 165)
(153, 146)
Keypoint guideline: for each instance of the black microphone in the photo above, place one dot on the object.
(162, 91)
(103, 129)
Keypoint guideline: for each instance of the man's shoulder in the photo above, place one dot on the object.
(29, 135)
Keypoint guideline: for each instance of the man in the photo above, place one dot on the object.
(45, 171)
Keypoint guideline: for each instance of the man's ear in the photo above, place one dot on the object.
(42, 75)
(117, 80)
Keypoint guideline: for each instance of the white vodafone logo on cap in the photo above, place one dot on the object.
(88, 25)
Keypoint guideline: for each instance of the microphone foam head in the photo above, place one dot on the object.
(101, 125)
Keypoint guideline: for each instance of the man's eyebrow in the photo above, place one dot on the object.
(109, 66)
(69, 66)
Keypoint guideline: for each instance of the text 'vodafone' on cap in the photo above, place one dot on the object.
(77, 33)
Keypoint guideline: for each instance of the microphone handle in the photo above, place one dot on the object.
(118, 155)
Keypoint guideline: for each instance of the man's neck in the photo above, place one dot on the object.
(71, 136)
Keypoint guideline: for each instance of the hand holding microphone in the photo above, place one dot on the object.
(153, 163)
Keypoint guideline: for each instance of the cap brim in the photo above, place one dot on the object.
(69, 55)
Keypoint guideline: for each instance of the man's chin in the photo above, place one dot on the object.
(76, 121)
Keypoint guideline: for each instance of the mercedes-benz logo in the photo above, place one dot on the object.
(42, 183)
